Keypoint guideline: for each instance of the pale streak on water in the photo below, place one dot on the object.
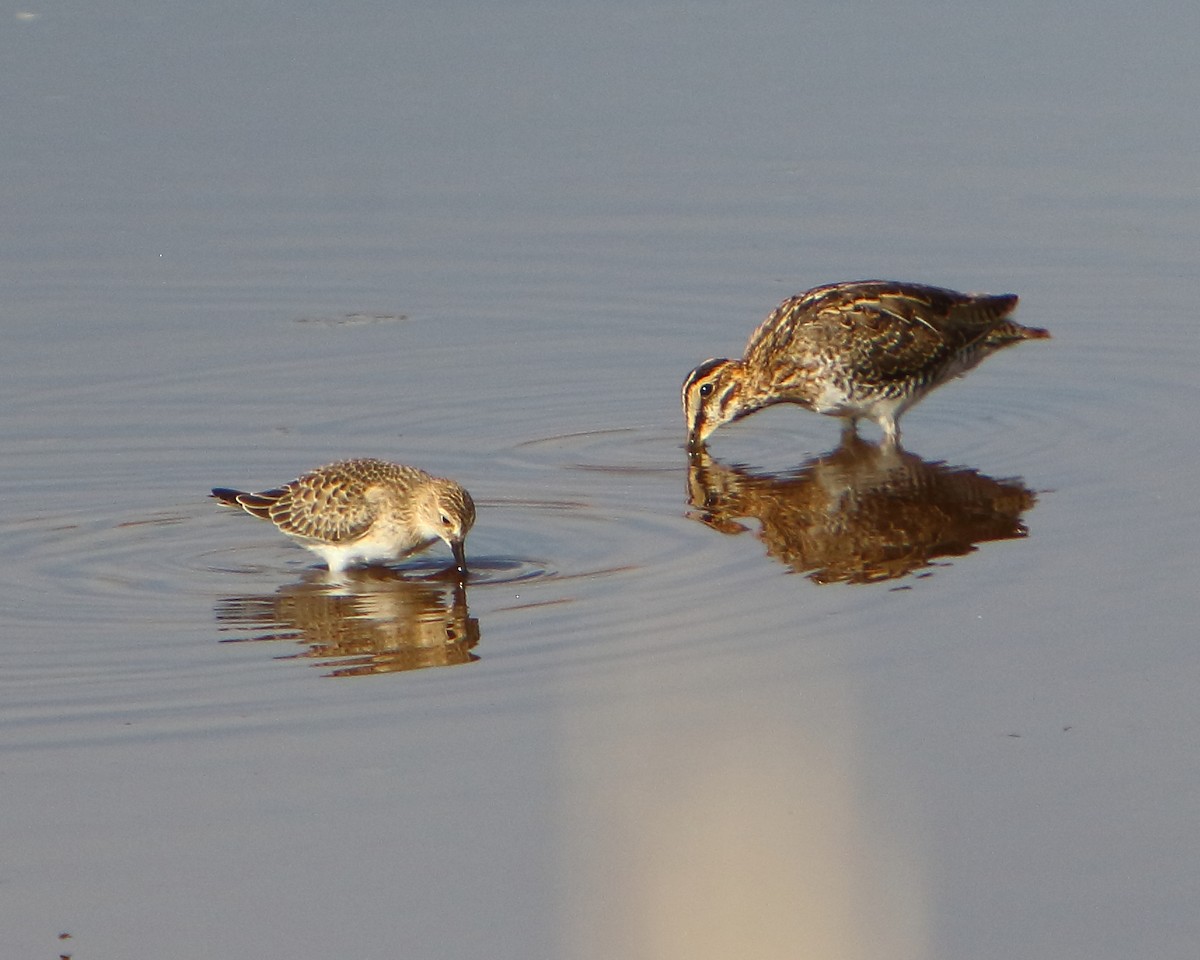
(490, 240)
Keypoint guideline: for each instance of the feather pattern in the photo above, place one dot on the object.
(866, 348)
(363, 510)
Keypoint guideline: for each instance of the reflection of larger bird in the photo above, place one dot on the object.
(869, 348)
(862, 513)
(364, 510)
(371, 622)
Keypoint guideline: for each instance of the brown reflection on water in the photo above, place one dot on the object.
(861, 513)
(370, 621)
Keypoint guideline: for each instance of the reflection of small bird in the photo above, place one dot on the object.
(869, 348)
(364, 510)
(373, 621)
(862, 513)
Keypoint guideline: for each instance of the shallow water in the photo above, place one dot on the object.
(793, 699)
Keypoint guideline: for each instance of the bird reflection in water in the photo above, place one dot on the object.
(862, 513)
(364, 622)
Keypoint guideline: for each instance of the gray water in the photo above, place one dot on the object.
(675, 713)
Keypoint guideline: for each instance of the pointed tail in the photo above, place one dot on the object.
(256, 504)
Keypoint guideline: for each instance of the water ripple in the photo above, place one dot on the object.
(86, 566)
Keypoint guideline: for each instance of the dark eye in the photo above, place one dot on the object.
(445, 520)
(705, 389)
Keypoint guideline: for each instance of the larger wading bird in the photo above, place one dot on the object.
(864, 349)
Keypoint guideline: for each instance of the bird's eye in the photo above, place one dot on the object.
(706, 389)
(446, 521)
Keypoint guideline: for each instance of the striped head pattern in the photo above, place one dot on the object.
(712, 395)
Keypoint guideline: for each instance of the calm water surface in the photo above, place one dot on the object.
(793, 699)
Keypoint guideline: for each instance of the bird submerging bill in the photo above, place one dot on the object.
(864, 349)
(360, 511)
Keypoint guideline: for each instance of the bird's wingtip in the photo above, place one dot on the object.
(226, 495)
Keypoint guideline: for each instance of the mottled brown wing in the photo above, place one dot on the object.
(331, 509)
(880, 330)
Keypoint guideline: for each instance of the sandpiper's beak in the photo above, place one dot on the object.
(460, 555)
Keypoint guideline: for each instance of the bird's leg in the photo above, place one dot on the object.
(891, 432)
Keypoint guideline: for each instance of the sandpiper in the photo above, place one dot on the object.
(364, 510)
(867, 348)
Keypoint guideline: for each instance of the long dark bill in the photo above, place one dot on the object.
(460, 556)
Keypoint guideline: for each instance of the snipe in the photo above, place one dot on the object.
(865, 349)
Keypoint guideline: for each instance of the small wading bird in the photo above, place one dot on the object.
(363, 511)
(865, 349)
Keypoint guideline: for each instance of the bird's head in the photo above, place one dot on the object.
(712, 395)
(448, 513)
